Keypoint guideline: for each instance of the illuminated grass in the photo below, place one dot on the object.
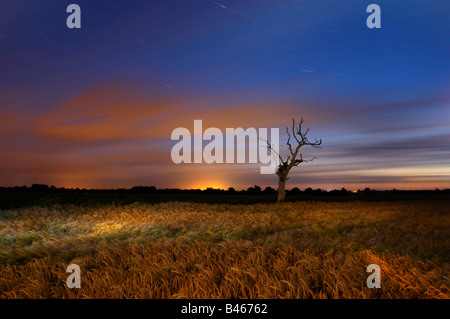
(188, 250)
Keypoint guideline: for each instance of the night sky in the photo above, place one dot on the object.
(95, 107)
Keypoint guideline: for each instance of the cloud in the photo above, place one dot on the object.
(117, 134)
(114, 135)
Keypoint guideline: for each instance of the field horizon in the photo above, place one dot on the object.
(176, 249)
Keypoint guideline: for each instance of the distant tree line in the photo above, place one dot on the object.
(254, 190)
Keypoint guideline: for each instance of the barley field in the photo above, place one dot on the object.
(196, 250)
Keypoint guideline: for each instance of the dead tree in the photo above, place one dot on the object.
(294, 158)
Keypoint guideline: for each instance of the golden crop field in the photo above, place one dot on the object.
(189, 250)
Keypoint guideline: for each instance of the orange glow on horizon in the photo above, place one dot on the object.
(206, 185)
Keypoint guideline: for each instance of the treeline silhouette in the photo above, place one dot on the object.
(254, 190)
(44, 195)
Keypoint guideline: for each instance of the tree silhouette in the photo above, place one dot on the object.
(294, 158)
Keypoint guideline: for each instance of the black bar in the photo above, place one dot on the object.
(200, 308)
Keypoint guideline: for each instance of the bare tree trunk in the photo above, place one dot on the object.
(281, 189)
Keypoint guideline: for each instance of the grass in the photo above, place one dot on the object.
(199, 250)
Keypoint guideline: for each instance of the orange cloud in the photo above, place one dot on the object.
(118, 135)
(117, 112)
(114, 135)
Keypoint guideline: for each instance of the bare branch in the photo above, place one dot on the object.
(270, 148)
(288, 142)
(316, 144)
(293, 130)
(294, 158)
(302, 140)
